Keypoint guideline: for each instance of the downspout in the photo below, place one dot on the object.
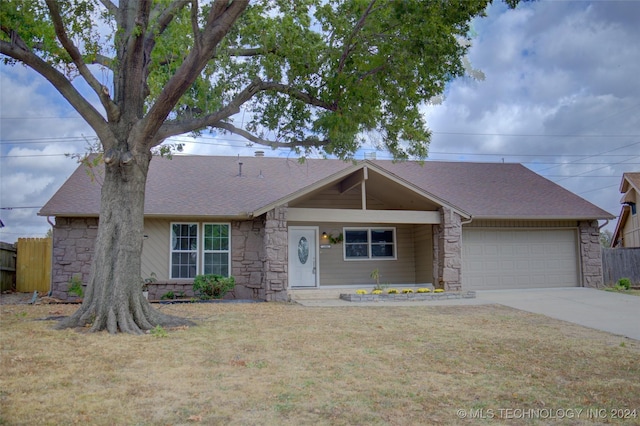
(606, 222)
(51, 261)
(466, 222)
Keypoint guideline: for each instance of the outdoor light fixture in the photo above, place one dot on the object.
(324, 235)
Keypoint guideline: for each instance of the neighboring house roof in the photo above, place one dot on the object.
(212, 186)
(630, 182)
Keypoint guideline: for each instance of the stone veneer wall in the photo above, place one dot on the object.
(447, 251)
(73, 241)
(247, 258)
(275, 265)
(590, 254)
(258, 260)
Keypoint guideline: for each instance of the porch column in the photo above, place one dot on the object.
(276, 254)
(448, 251)
(590, 254)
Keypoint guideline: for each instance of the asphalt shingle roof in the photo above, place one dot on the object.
(212, 186)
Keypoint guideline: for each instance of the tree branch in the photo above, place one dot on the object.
(76, 57)
(348, 44)
(248, 52)
(112, 8)
(60, 82)
(195, 28)
(105, 61)
(296, 94)
(310, 142)
(164, 18)
(178, 127)
(221, 18)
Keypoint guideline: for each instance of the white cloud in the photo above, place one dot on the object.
(561, 86)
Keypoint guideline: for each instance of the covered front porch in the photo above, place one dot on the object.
(368, 227)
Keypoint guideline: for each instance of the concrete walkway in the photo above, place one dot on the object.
(601, 310)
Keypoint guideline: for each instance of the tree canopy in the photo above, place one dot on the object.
(306, 73)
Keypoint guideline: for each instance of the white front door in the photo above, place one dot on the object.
(303, 259)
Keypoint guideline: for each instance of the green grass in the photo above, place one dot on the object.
(283, 364)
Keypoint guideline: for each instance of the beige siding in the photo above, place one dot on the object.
(631, 231)
(423, 249)
(501, 223)
(331, 197)
(155, 249)
(334, 270)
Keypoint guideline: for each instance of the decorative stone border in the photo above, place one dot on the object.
(407, 297)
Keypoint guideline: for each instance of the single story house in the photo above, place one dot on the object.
(627, 233)
(278, 224)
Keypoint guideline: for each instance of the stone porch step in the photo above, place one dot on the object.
(318, 293)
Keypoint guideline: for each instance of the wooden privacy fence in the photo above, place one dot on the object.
(33, 265)
(7, 266)
(620, 263)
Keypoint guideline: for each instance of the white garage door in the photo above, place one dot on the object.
(509, 259)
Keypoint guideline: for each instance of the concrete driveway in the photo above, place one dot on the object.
(602, 310)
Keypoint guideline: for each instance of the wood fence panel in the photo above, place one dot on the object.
(33, 265)
(7, 266)
(620, 263)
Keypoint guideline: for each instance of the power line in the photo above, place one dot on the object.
(20, 207)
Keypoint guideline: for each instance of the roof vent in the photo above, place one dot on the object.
(259, 153)
(239, 168)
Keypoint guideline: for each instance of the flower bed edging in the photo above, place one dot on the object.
(404, 297)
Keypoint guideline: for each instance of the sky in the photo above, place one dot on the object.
(560, 94)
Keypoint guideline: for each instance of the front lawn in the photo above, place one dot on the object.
(283, 364)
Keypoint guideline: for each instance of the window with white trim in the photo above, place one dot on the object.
(369, 243)
(190, 256)
(216, 249)
(184, 250)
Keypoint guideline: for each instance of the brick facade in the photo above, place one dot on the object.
(247, 258)
(447, 251)
(591, 254)
(73, 241)
(259, 257)
(276, 258)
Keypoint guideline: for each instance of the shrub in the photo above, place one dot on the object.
(212, 286)
(168, 295)
(624, 283)
(75, 286)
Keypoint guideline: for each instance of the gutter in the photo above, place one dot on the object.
(466, 222)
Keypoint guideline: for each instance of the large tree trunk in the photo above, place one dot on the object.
(114, 300)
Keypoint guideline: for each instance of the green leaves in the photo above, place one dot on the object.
(323, 75)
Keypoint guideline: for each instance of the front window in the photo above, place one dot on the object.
(216, 249)
(184, 250)
(369, 243)
(189, 257)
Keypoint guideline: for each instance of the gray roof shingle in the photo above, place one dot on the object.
(211, 186)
